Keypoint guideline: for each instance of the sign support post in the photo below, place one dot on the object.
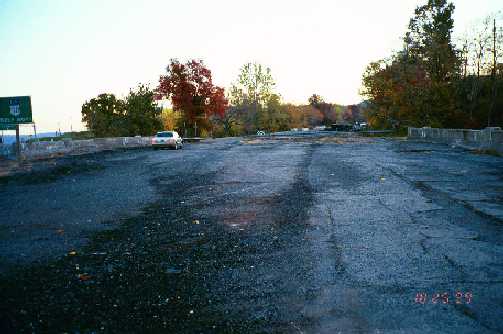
(18, 144)
(35, 131)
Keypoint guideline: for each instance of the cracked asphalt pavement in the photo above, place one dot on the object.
(256, 235)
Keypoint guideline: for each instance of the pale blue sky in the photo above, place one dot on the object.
(64, 52)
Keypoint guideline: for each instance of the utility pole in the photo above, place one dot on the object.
(494, 48)
(493, 75)
(255, 90)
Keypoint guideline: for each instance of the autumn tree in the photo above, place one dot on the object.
(416, 86)
(192, 92)
(296, 115)
(352, 113)
(315, 100)
(227, 124)
(170, 118)
(327, 110)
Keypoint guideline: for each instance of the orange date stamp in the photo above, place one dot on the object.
(458, 297)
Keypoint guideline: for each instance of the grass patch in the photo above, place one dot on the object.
(75, 135)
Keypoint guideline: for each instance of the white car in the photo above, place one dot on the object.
(260, 133)
(360, 126)
(169, 139)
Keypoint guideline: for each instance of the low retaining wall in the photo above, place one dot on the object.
(487, 139)
(34, 150)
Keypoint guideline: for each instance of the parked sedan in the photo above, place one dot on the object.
(169, 139)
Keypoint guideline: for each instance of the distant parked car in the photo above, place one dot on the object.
(360, 126)
(260, 133)
(305, 129)
(169, 139)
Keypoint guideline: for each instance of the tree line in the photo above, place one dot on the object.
(432, 82)
(197, 107)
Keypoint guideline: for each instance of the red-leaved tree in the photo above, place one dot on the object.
(191, 90)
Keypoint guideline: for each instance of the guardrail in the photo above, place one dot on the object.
(192, 139)
(34, 150)
(490, 138)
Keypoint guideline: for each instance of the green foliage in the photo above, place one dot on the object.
(254, 104)
(108, 116)
(142, 114)
(104, 115)
(274, 116)
(254, 86)
(79, 135)
(428, 40)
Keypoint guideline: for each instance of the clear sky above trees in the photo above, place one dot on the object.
(63, 53)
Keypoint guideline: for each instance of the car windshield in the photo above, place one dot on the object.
(165, 134)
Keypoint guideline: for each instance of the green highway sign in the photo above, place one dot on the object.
(15, 110)
(7, 126)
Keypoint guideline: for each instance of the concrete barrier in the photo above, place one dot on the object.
(487, 139)
(43, 149)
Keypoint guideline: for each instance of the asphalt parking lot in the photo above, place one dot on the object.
(293, 235)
